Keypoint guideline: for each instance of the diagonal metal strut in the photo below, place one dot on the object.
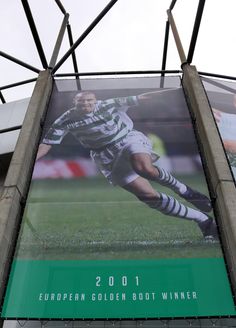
(35, 33)
(85, 33)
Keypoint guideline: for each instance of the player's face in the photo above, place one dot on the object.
(85, 102)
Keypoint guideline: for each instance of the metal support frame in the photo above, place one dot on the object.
(195, 30)
(194, 36)
(58, 2)
(84, 34)
(34, 32)
(73, 46)
(70, 37)
(2, 98)
(18, 61)
(173, 2)
(8, 86)
(17, 127)
(179, 46)
(118, 73)
(219, 85)
(163, 66)
(58, 41)
(73, 55)
(227, 77)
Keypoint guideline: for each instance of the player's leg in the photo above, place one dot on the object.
(142, 164)
(169, 205)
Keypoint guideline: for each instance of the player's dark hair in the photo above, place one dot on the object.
(84, 92)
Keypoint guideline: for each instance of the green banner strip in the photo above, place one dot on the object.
(118, 289)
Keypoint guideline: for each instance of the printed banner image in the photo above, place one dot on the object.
(223, 102)
(118, 221)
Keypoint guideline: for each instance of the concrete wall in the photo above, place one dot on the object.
(220, 179)
(14, 189)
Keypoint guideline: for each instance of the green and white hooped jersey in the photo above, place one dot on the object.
(232, 158)
(227, 130)
(107, 124)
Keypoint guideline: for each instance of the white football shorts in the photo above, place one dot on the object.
(114, 161)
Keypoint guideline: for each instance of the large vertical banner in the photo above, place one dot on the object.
(118, 221)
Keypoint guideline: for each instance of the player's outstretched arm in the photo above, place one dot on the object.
(43, 150)
(148, 95)
(230, 145)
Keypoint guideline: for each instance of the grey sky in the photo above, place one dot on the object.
(129, 37)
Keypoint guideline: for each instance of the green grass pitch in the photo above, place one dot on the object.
(88, 219)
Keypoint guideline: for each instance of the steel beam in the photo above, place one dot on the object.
(227, 77)
(58, 2)
(8, 86)
(219, 85)
(195, 30)
(34, 33)
(164, 56)
(2, 98)
(59, 41)
(17, 61)
(13, 128)
(83, 36)
(177, 38)
(118, 73)
(70, 37)
(173, 2)
(74, 60)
